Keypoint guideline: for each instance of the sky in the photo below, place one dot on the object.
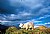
(13, 12)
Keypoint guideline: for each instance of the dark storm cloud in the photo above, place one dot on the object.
(24, 10)
(15, 6)
(7, 8)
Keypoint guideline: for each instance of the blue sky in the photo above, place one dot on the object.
(13, 12)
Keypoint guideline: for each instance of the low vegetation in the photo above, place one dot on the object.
(39, 30)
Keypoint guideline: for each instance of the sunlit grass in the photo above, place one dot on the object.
(14, 30)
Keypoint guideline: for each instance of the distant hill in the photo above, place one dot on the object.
(3, 27)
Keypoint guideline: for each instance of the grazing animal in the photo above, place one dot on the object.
(27, 26)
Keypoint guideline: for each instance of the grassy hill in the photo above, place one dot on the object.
(39, 30)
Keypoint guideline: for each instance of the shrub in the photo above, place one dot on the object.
(11, 30)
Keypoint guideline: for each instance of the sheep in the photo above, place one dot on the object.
(27, 25)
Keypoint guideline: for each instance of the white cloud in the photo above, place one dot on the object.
(37, 6)
(47, 23)
(36, 26)
(45, 16)
(37, 21)
(12, 15)
(24, 14)
(32, 4)
(41, 17)
(4, 21)
(39, 24)
(29, 3)
(44, 10)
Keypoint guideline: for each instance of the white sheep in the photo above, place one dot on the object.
(27, 25)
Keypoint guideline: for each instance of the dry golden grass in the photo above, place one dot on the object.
(39, 30)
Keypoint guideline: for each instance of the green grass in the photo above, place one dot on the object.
(23, 31)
